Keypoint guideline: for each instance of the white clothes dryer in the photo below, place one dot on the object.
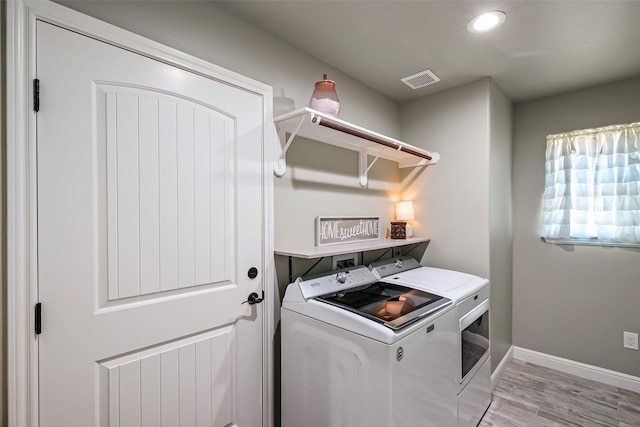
(471, 298)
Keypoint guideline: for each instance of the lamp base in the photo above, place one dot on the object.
(409, 231)
(398, 230)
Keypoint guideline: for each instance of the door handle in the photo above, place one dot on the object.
(254, 298)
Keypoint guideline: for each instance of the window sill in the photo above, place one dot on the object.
(589, 242)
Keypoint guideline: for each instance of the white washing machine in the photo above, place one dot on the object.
(470, 295)
(357, 352)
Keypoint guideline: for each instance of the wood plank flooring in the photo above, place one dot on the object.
(531, 395)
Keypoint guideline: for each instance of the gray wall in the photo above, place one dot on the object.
(571, 301)
(453, 196)
(465, 200)
(500, 222)
(3, 202)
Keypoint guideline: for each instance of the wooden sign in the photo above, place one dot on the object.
(334, 230)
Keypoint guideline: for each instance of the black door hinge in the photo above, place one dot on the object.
(36, 95)
(38, 314)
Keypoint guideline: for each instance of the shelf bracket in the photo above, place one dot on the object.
(280, 166)
(364, 168)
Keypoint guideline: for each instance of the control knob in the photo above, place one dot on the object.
(398, 263)
(341, 277)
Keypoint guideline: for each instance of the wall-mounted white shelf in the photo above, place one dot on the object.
(324, 128)
(347, 248)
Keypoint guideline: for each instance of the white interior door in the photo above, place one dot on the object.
(150, 215)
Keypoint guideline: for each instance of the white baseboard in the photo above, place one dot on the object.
(497, 374)
(606, 376)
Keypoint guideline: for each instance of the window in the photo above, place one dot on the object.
(592, 189)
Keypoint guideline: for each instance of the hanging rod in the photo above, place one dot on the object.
(369, 137)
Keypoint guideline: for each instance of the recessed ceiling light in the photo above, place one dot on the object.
(486, 21)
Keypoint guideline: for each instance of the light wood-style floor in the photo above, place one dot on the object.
(530, 395)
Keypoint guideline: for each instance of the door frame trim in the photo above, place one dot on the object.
(22, 290)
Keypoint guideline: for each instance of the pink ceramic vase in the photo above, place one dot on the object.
(324, 98)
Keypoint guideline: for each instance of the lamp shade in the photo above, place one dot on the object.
(404, 210)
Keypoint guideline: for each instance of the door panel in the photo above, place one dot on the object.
(182, 383)
(166, 173)
(145, 174)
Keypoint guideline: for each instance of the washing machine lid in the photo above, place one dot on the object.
(392, 305)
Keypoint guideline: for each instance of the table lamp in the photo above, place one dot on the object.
(399, 228)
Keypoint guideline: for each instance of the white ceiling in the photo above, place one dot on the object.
(545, 47)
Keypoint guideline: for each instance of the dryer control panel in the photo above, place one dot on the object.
(335, 281)
(387, 267)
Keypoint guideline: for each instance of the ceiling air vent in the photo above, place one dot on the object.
(421, 79)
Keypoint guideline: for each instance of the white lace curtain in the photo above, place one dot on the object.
(592, 190)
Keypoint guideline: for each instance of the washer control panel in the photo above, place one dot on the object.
(335, 281)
